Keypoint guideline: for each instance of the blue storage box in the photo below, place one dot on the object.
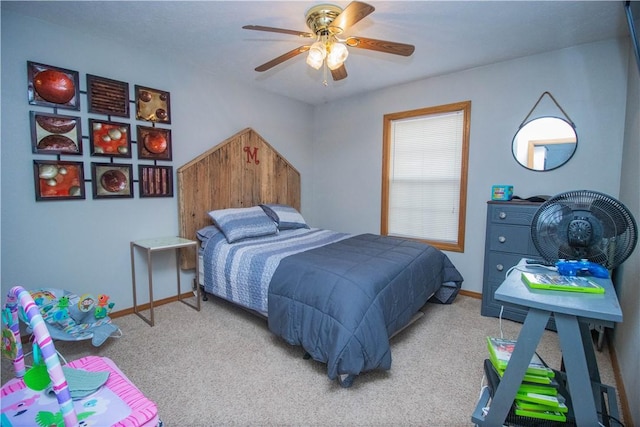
(501, 192)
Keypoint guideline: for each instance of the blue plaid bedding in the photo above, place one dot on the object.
(241, 272)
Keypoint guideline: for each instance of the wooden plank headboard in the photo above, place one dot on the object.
(242, 171)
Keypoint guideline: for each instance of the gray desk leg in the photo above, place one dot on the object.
(592, 366)
(136, 308)
(587, 343)
(195, 306)
(177, 254)
(528, 340)
(197, 279)
(579, 382)
(133, 279)
(150, 273)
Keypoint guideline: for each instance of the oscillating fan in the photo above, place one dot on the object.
(584, 225)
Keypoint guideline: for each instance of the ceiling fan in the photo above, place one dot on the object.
(327, 23)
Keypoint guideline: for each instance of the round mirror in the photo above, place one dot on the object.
(544, 143)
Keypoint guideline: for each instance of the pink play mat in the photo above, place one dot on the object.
(114, 402)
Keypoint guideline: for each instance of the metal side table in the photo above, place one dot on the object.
(156, 245)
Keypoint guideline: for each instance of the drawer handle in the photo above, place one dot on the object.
(502, 239)
(499, 267)
(502, 215)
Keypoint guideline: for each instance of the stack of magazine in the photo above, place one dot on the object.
(538, 395)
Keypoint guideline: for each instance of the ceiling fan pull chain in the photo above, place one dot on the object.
(325, 73)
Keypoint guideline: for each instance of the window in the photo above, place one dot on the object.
(424, 174)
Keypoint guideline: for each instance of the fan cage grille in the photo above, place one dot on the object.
(584, 224)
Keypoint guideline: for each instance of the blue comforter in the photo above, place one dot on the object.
(341, 302)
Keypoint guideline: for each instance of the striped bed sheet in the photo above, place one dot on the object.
(241, 272)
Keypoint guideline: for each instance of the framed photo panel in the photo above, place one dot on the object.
(106, 96)
(55, 134)
(58, 180)
(152, 105)
(53, 86)
(112, 180)
(154, 143)
(110, 139)
(155, 181)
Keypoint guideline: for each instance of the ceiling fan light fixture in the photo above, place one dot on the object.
(314, 62)
(327, 23)
(317, 53)
(338, 53)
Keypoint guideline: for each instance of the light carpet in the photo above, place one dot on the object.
(222, 366)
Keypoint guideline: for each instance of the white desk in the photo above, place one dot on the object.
(572, 312)
(155, 245)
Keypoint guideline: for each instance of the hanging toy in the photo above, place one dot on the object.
(103, 300)
(8, 344)
(42, 297)
(62, 317)
(9, 349)
(104, 306)
(86, 303)
(63, 302)
(37, 377)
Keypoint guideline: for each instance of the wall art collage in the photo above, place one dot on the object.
(110, 138)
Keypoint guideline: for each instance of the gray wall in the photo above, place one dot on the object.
(84, 245)
(627, 334)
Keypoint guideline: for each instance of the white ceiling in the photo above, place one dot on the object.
(449, 36)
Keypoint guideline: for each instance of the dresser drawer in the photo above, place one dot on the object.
(498, 263)
(509, 238)
(511, 214)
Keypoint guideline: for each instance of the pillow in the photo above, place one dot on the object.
(241, 223)
(205, 233)
(285, 216)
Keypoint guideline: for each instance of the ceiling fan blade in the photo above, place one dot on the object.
(354, 12)
(279, 30)
(381, 45)
(280, 59)
(339, 73)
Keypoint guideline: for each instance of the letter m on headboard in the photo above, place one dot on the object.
(252, 154)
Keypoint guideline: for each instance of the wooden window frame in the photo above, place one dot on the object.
(465, 107)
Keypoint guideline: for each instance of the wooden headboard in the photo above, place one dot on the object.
(242, 171)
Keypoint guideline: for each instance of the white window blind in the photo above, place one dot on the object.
(424, 176)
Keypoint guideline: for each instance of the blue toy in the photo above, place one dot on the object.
(573, 268)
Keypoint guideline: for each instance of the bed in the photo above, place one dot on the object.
(339, 296)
